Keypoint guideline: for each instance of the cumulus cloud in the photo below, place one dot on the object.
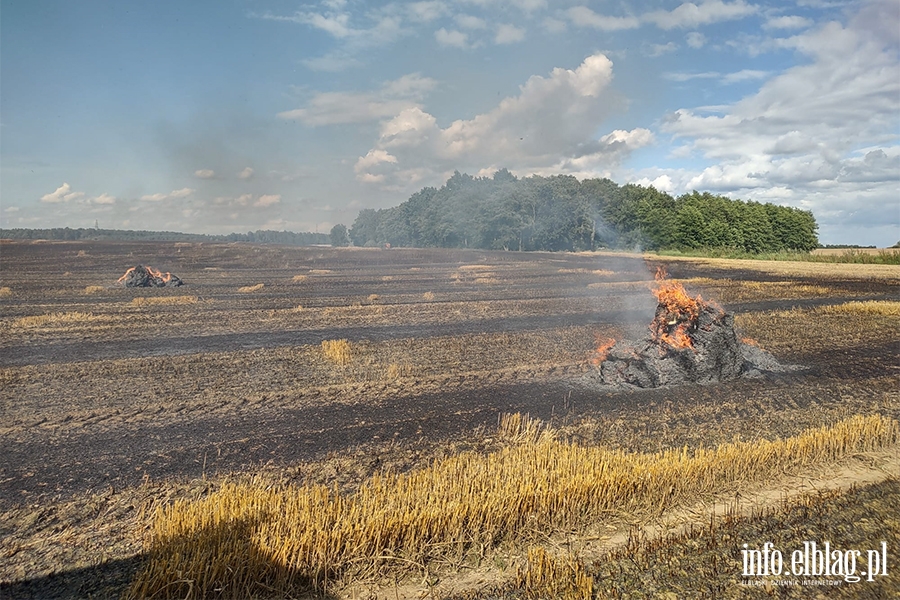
(548, 125)
(204, 174)
(63, 193)
(799, 138)
(332, 108)
(173, 195)
(247, 173)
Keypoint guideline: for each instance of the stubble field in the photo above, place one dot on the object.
(117, 401)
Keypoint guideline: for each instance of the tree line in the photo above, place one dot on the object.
(262, 236)
(563, 213)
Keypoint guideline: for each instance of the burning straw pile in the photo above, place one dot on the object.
(141, 276)
(690, 341)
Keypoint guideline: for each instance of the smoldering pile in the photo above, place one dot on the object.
(690, 341)
(141, 276)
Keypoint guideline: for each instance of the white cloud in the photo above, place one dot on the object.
(332, 108)
(451, 38)
(63, 193)
(268, 200)
(744, 75)
(372, 158)
(247, 173)
(548, 126)
(173, 195)
(582, 16)
(425, 12)
(509, 34)
(104, 199)
(693, 15)
(695, 40)
(788, 22)
(204, 174)
(819, 135)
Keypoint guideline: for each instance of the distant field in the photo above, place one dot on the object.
(840, 251)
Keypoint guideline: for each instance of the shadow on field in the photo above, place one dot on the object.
(110, 580)
(106, 580)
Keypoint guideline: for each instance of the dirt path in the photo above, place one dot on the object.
(857, 471)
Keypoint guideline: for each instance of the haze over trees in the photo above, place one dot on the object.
(260, 236)
(563, 213)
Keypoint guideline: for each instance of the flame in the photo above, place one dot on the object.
(122, 278)
(673, 325)
(604, 345)
(167, 277)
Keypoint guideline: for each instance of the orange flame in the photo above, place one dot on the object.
(673, 325)
(122, 278)
(604, 345)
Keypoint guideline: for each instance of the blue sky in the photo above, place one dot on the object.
(238, 115)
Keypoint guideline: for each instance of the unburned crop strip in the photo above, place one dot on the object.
(248, 538)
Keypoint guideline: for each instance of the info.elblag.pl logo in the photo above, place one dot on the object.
(817, 565)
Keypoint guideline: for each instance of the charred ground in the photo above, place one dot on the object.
(120, 395)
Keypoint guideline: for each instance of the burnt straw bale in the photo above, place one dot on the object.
(141, 276)
(712, 353)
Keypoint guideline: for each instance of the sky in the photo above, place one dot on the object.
(236, 115)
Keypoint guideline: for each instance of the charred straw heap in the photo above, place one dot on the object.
(141, 276)
(690, 341)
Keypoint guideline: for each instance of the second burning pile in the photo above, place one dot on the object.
(690, 341)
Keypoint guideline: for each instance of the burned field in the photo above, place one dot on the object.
(325, 366)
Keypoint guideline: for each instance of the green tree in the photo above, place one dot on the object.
(339, 236)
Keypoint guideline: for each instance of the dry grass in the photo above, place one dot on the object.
(163, 300)
(93, 289)
(427, 296)
(53, 319)
(250, 538)
(5, 292)
(885, 308)
(340, 352)
(251, 288)
(299, 278)
(561, 577)
(373, 298)
(487, 280)
(475, 268)
(798, 268)
(319, 271)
